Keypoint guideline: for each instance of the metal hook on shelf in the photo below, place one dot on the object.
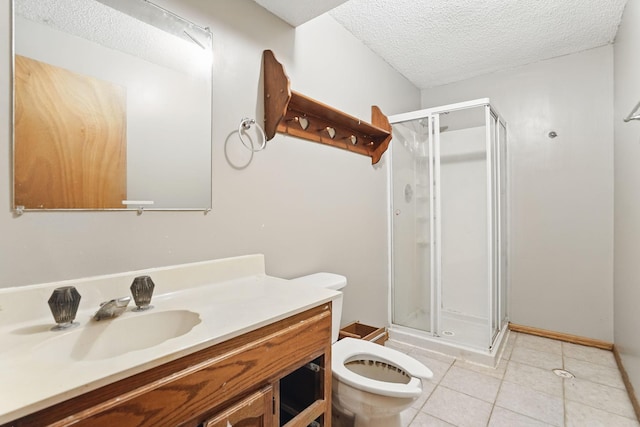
(245, 124)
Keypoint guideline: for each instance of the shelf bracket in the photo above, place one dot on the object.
(292, 113)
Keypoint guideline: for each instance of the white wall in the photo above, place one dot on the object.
(627, 197)
(561, 189)
(306, 206)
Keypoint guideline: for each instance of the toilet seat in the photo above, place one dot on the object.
(350, 348)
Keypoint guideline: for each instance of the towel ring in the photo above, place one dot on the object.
(245, 124)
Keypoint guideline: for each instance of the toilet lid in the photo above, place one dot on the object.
(350, 348)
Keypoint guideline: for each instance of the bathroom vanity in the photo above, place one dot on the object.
(259, 353)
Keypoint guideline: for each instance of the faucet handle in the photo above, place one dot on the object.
(142, 290)
(64, 303)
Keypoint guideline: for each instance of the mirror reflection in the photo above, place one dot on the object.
(112, 106)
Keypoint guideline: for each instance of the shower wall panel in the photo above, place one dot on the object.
(463, 170)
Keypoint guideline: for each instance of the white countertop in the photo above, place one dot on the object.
(35, 374)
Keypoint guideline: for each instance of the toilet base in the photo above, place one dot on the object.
(366, 409)
(342, 418)
(389, 421)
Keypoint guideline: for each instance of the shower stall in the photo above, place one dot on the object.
(448, 190)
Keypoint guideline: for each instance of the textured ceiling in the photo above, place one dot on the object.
(97, 22)
(299, 11)
(433, 42)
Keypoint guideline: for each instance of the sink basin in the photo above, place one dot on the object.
(110, 338)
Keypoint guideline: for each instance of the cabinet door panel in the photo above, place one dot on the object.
(254, 411)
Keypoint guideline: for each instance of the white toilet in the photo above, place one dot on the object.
(372, 382)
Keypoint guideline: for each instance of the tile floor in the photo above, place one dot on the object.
(523, 390)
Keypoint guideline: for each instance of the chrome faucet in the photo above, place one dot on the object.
(113, 308)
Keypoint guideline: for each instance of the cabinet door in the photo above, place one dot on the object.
(253, 411)
(70, 139)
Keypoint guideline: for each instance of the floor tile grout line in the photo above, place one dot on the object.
(520, 413)
(537, 351)
(537, 348)
(600, 409)
(493, 406)
(480, 373)
(564, 385)
(427, 399)
(512, 410)
(433, 392)
(438, 418)
(462, 392)
(413, 418)
(612, 365)
(534, 366)
(599, 365)
(444, 375)
(455, 391)
(530, 388)
(437, 384)
(536, 391)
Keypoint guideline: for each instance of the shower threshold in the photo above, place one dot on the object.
(444, 345)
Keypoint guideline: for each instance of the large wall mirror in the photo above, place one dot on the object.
(112, 107)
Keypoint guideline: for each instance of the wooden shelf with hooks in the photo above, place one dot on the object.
(292, 113)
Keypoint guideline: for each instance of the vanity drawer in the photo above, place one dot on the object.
(255, 410)
(192, 389)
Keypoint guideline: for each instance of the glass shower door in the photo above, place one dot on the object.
(463, 190)
(411, 193)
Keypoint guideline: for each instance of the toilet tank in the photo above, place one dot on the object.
(332, 281)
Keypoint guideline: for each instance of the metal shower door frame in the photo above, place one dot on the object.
(434, 223)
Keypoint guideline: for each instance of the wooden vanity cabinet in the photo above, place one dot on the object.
(253, 411)
(235, 383)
